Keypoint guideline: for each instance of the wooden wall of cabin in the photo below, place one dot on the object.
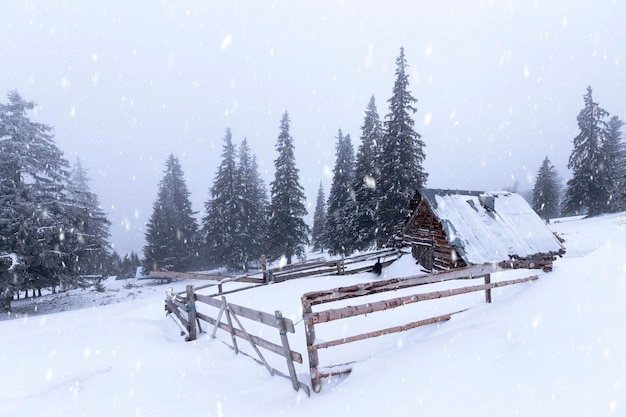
(429, 245)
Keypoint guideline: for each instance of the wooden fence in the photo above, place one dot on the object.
(185, 308)
(219, 313)
(314, 267)
(311, 319)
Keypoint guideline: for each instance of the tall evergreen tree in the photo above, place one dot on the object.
(366, 177)
(614, 160)
(547, 191)
(339, 216)
(401, 156)
(172, 230)
(251, 225)
(33, 197)
(319, 221)
(288, 233)
(91, 225)
(219, 224)
(588, 191)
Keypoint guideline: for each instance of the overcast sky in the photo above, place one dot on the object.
(125, 83)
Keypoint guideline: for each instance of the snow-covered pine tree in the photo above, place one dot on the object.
(547, 191)
(172, 230)
(251, 224)
(402, 154)
(614, 157)
(588, 191)
(90, 232)
(220, 223)
(319, 221)
(339, 215)
(288, 233)
(366, 174)
(33, 185)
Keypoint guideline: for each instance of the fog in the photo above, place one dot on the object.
(125, 83)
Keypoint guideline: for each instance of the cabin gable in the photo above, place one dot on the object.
(450, 228)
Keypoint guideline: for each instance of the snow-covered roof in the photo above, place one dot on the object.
(490, 226)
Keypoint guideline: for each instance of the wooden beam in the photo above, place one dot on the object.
(389, 330)
(351, 311)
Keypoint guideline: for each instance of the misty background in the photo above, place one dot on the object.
(124, 84)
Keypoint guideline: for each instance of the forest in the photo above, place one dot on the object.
(55, 234)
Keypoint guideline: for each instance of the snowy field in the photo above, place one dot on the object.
(554, 347)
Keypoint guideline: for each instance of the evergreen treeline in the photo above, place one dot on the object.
(51, 224)
(598, 164)
(369, 196)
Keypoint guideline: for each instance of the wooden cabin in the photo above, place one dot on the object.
(452, 228)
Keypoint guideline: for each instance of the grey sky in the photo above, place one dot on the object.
(126, 83)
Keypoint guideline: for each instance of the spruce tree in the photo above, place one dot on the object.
(588, 191)
(172, 230)
(251, 223)
(614, 160)
(220, 223)
(366, 177)
(402, 154)
(547, 191)
(90, 225)
(319, 221)
(288, 233)
(339, 216)
(33, 198)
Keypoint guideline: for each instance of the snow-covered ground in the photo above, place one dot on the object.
(553, 347)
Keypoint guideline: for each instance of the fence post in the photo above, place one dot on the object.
(285, 340)
(314, 361)
(488, 290)
(264, 267)
(191, 314)
(230, 325)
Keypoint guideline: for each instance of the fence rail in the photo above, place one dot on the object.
(185, 308)
(311, 319)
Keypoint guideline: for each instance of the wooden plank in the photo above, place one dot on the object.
(250, 340)
(351, 311)
(265, 344)
(208, 299)
(285, 342)
(173, 308)
(359, 290)
(382, 332)
(185, 275)
(203, 277)
(251, 314)
(191, 315)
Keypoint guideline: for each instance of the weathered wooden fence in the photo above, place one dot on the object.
(311, 299)
(185, 308)
(314, 267)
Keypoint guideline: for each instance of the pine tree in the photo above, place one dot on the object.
(402, 154)
(614, 160)
(251, 223)
(319, 221)
(220, 223)
(339, 216)
(33, 198)
(588, 189)
(172, 230)
(90, 231)
(547, 191)
(288, 233)
(366, 177)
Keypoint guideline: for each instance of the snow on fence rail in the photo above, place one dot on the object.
(311, 319)
(185, 309)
